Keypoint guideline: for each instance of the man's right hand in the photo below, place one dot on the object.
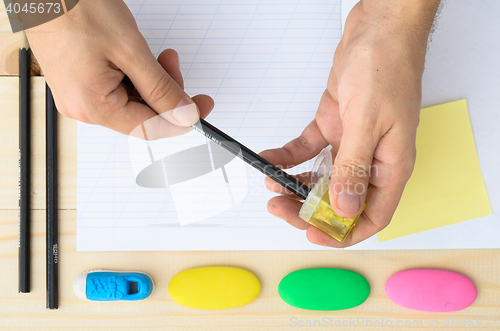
(85, 55)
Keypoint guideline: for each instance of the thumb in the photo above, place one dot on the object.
(158, 89)
(351, 171)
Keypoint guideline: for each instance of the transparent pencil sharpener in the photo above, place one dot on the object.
(317, 210)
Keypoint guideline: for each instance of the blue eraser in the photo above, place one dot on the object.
(107, 285)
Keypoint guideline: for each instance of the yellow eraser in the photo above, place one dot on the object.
(214, 287)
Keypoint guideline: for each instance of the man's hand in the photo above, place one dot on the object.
(368, 114)
(84, 56)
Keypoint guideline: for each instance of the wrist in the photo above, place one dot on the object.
(408, 12)
(402, 26)
(412, 17)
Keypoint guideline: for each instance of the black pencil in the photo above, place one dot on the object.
(246, 154)
(252, 158)
(51, 231)
(24, 164)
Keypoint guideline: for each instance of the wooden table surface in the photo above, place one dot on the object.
(160, 312)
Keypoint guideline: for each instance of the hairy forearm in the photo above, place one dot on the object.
(414, 18)
(402, 27)
(415, 13)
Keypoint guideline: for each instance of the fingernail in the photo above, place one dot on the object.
(348, 201)
(186, 113)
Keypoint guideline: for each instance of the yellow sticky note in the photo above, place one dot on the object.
(446, 186)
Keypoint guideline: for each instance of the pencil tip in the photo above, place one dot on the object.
(24, 42)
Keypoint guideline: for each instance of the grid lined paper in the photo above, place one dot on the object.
(266, 64)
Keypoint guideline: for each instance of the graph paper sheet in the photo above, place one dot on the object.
(265, 63)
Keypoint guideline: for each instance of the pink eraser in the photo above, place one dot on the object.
(431, 290)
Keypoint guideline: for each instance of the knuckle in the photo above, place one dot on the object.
(126, 55)
(88, 110)
(83, 117)
(128, 48)
(82, 106)
(352, 169)
(64, 113)
(304, 143)
(407, 164)
(62, 109)
(162, 89)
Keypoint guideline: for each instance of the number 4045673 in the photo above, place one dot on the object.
(476, 322)
(34, 8)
